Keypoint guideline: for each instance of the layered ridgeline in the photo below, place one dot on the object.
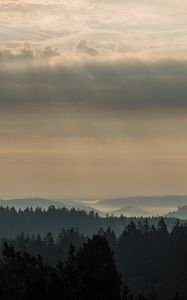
(44, 203)
(54, 219)
(127, 206)
(38, 215)
(142, 205)
(149, 253)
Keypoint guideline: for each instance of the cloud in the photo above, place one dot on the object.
(137, 24)
(27, 51)
(83, 48)
(121, 83)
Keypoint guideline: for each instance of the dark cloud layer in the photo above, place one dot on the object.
(109, 84)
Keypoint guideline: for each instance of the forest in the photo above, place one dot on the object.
(39, 221)
(144, 262)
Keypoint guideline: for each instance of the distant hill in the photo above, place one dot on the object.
(148, 205)
(45, 204)
(127, 206)
(181, 213)
(131, 211)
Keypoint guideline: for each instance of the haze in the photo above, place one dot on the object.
(93, 98)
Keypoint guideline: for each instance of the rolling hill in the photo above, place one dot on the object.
(144, 206)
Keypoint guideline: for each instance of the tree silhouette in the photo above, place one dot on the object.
(98, 277)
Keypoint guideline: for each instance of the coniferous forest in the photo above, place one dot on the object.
(145, 261)
(38, 221)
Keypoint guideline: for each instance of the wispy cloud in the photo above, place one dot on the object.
(27, 51)
(137, 24)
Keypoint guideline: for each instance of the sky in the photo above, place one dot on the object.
(93, 98)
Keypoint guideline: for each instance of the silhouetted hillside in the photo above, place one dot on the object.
(90, 273)
(152, 261)
(38, 221)
(45, 204)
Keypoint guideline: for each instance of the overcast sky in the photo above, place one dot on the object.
(93, 98)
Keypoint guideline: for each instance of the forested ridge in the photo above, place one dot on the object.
(39, 221)
(151, 261)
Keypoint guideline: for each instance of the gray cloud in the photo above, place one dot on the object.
(120, 84)
(84, 48)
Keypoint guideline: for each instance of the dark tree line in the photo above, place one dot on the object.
(151, 260)
(48, 247)
(89, 273)
(38, 221)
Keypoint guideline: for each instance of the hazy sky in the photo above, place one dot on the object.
(93, 97)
